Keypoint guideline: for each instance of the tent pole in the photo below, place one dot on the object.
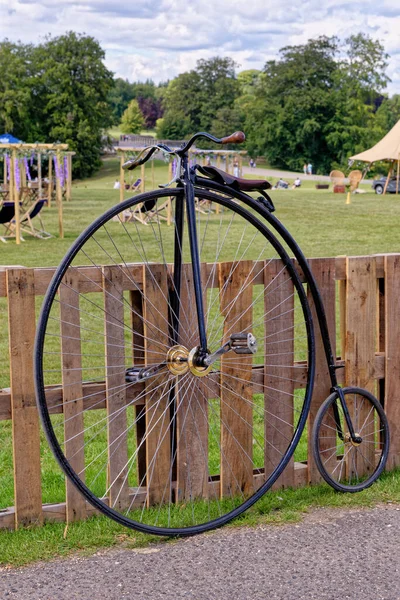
(387, 178)
(49, 177)
(13, 185)
(39, 174)
(121, 178)
(397, 179)
(59, 197)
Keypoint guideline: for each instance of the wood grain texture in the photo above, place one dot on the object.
(192, 412)
(361, 339)
(158, 431)
(392, 350)
(324, 274)
(278, 378)
(25, 422)
(115, 387)
(72, 391)
(236, 299)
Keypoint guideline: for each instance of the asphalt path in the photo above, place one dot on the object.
(330, 555)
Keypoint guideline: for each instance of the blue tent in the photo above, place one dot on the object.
(7, 138)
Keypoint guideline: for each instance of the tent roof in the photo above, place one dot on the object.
(387, 149)
(7, 138)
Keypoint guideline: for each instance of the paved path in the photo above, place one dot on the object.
(274, 173)
(331, 555)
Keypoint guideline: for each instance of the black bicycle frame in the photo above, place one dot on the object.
(303, 264)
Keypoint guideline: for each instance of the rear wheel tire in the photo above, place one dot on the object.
(180, 451)
(346, 466)
(379, 189)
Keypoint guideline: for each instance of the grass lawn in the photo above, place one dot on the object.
(322, 224)
(116, 131)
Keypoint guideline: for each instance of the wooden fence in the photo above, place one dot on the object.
(362, 301)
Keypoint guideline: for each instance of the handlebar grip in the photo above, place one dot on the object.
(236, 138)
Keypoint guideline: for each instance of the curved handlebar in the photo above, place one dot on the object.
(235, 138)
(147, 152)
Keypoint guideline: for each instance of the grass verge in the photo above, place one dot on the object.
(281, 507)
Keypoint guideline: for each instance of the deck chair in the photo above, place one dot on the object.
(158, 213)
(337, 177)
(132, 213)
(7, 214)
(26, 220)
(354, 179)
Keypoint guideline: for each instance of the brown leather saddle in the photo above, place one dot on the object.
(237, 183)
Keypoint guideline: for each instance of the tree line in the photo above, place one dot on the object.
(320, 102)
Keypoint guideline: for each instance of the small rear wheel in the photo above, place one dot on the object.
(348, 465)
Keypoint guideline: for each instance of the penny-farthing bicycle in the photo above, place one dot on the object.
(187, 357)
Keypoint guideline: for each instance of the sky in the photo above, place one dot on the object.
(158, 39)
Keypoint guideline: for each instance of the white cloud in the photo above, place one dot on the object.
(160, 38)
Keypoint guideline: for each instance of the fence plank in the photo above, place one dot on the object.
(158, 442)
(115, 387)
(72, 391)
(25, 422)
(192, 422)
(278, 377)
(324, 273)
(392, 349)
(361, 335)
(236, 388)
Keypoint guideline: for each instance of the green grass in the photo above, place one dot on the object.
(281, 507)
(322, 224)
(116, 131)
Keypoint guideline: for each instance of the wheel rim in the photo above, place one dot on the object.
(352, 464)
(196, 428)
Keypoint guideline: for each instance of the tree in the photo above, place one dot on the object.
(132, 119)
(119, 97)
(15, 90)
(192, 100)
(69, 97)
(151, 110)
(293, 103)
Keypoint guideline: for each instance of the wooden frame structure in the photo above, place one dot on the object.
(14, 195)
(220, 154)
(362, 300)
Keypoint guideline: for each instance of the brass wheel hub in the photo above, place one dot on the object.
(180, 360)
(177, 360)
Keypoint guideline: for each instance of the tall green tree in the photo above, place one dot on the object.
(293, 105)
(15, 89)
(132, 119)
(71, 88)
(193, 99)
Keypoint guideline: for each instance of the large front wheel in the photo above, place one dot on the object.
(150, 437)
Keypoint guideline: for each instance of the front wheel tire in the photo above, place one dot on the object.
(174, 453)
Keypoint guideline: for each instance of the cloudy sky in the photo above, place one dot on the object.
(158, 39)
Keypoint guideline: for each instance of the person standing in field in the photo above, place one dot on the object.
(309, 168)
(305, 168)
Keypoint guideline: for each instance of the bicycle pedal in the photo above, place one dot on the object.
(243, 343)
(133, 375)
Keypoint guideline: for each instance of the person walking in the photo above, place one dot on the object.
(305, 168)
(309, 168)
